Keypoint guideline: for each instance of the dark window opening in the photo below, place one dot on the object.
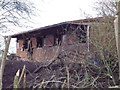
(25, 44)
(40, 41)
(58, 40)
(29, 46)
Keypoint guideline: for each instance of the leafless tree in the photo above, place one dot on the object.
(12, 12)
(103, 34)
(106, 7)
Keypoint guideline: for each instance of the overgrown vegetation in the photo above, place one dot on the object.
(71, 69)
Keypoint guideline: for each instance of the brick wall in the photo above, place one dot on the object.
(49, 40)
(48, 51)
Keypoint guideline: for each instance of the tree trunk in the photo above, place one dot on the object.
(2, 67)
(118, 7)
(117, 33)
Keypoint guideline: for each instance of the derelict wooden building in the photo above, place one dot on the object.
(47, 42)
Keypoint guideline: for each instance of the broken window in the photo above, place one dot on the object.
(40, 41)
(29, 45)
(25, 44)
(58, 40)
(29, 49)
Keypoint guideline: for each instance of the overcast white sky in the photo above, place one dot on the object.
(55, 11)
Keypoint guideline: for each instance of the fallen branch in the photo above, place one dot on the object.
(45, 66)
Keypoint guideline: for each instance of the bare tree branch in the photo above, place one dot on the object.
(106, 7)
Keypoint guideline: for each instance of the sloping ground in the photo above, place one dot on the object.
(70, 69)
(60, 73)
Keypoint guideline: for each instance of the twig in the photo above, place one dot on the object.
(68, 77)
(45, 66)
(63, 84)
(22, 74)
